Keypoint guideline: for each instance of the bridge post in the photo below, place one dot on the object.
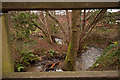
(7, 60)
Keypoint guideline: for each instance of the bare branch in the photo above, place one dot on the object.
(57, 23)
(88, 16)
(41, 21)
(84, 19)
(88, 13)
(40, 28)
(96, 19)
(86, 37)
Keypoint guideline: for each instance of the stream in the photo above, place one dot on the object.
(86, 60)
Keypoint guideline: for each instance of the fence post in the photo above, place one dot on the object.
(0, 40)
(7, 60)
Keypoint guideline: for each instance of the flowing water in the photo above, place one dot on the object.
(86, 60)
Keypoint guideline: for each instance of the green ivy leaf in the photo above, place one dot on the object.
(21, 59)
(20, 67)
(31, 55)
(27, 62)
(30, 51)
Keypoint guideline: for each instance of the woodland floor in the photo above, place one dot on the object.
(94, 48)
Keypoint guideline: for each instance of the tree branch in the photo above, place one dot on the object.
(39, 28)
(57, 23)
(84, 19)
(96, 19)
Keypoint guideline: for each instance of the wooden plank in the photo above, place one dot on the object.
(7, 6)
(77, 75)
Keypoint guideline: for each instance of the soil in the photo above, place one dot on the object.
(95, 46)
(103, 38)
(47, 46)
(83, 62)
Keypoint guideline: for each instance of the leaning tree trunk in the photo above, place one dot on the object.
(73, 45)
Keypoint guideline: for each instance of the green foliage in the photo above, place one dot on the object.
(22, 23)
(93, 14)
(85, 46)
(110, 18)
(30, 43)
(64, 53)
(12, 37)
(54, 29)
(51, 52)
(25, 58)
(110, 56)
(44, 38)
(40, 51)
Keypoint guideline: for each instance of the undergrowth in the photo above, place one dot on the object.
(25, 59)
(110, 59)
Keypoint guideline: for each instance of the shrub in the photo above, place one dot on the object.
(110, 59)
(51, 52)
(26, 57)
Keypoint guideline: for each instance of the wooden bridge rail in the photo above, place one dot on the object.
(8, 72)
(73, 75)
(8, 6)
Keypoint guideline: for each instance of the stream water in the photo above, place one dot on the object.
(86, 60)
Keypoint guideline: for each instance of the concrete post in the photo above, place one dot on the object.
(0, 41)
(7, 60)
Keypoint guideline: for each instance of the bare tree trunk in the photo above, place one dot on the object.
(68, 24)
(48, 25)
(70, 59)
(45, 28)
(82, 32)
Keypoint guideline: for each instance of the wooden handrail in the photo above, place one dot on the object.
(8, 6)
(84, 75)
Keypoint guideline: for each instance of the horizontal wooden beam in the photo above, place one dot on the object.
(8, 6)
(77, 75)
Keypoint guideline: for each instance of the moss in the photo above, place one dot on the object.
(68, 57)
(73, 45)
(7, 60)
(69, 60)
